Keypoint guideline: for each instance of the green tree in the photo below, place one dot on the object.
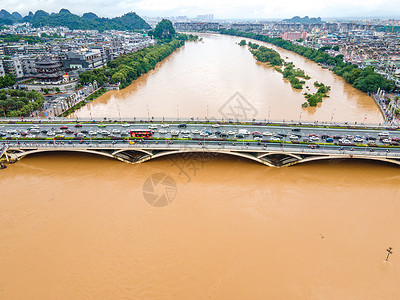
(164, 30)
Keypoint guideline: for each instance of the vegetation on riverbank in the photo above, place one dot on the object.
(293, 75)
(267, 55)
(16, 103)
(366, 80)
(318, 96)
(126, 68)
(273, 58)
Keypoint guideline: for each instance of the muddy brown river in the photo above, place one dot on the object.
(76, 226)
(200, 79)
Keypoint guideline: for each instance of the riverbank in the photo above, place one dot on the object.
(128, 67)
(85, 101)
(199, 80)
(365, 80)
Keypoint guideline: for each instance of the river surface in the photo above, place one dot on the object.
(201, 80)
(76, 226)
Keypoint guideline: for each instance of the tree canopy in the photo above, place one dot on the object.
(164, 30)
(89, 21)
(16, 103)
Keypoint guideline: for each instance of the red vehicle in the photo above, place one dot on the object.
(64, 127)
(78, 125)
(141, 133)
(257, 133)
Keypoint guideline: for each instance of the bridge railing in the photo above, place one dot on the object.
(271, 148)
(198, 120)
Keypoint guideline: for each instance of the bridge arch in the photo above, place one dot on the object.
(213, 151)
(22, 153)
(328, 157)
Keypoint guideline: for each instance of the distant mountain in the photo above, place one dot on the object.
(89, 21)
(16, 15)
(5, 15)
(89, 16)
(305, 20)
(64, 10)
(6, 18)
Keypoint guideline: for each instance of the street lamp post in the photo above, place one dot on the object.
(389, 250)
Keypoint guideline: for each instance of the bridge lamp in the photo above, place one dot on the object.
(389, 250)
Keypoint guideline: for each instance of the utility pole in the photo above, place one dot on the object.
(389, 250)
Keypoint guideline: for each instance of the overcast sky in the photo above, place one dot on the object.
(223, 9)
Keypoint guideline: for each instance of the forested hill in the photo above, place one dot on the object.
(89, 21)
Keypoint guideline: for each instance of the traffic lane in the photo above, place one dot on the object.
(215, 144)
(273, 130)
(251, 128)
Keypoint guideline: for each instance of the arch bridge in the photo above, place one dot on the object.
(270, 156)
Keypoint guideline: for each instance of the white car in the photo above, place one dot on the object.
(314, 138)
(215, 125)
(293, 137)
(50, 133)
(358, 140)
(345, 141)
(203, 134)
(195, 131)
(174, 132)
(116, 131)
(125, 125)
(266, 133)
(231, 132)
(274, 139)
(153, 127)
(162, 131)
(92, 133)
(384, 133)
(164, 125)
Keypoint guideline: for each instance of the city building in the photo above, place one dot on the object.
(48, 70)
(290, 36)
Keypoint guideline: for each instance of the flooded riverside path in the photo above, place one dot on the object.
(76, 226)
(198, 79)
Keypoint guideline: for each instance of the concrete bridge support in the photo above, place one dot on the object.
(140, 155)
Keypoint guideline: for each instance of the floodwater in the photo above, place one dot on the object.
(79, 227)
(201, 80)
(76, 226)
